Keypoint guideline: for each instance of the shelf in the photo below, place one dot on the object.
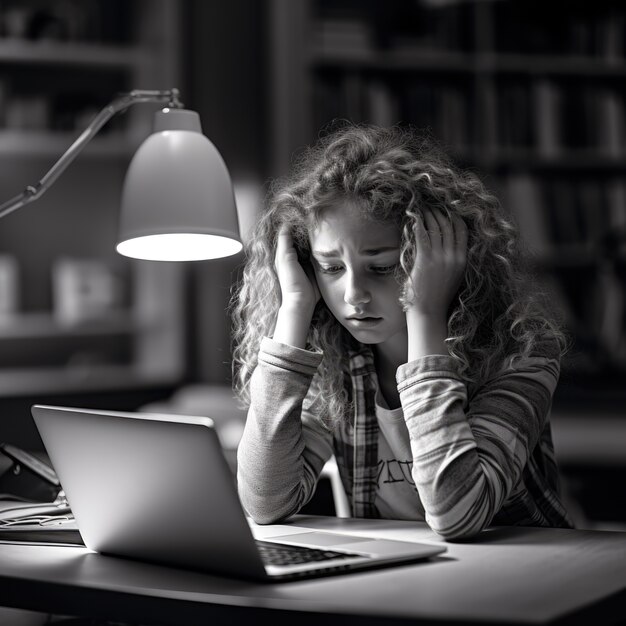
(372, 59)
(48, 143)
(18, 382)
(70, 54)
(589, 438)
(40, 325)
(62, 85)
(563, 256)
(546, 131)
(577, 66)
(428, 60)
(568, 160)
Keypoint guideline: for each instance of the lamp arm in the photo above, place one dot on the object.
(121, 103)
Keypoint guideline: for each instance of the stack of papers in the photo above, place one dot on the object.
(38, 522)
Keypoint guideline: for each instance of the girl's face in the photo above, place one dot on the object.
(354, 261)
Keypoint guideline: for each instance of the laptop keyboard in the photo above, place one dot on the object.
(282, 554)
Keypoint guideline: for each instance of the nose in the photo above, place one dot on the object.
(355, 293)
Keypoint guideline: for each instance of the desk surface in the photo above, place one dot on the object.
(507, 575)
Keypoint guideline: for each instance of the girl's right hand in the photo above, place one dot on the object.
(299, 290)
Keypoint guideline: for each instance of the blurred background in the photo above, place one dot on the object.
(528, 95)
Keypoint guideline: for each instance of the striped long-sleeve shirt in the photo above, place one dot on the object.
(476, 461)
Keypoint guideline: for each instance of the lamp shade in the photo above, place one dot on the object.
(178, 202)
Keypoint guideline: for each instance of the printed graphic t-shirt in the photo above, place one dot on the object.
(397, 497)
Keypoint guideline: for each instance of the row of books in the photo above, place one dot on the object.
(107, 21)
(513, 27)
(25, 110)
(345, 26)
(576, 230)
(556, 214)
(578, 28)
(445, 108)
(553, 117)
(591, 304)
(81, 289)
(541, 115)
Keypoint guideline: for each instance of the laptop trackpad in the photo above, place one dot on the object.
(319, 539)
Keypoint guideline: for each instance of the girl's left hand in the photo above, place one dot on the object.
(440, 258)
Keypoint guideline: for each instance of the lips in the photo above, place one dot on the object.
(363, 322)
(362, 318)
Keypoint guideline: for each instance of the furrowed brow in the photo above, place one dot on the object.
(381, 250)
(326, 254)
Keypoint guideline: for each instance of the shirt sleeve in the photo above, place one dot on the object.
(285, 442)
(468, 458)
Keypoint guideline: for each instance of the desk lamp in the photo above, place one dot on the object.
(177, 201)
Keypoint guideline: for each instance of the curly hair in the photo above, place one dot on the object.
(393, 174)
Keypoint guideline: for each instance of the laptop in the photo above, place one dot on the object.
(158, 488)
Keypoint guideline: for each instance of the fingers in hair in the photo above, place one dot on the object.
(432, 229)
(446, 228)
(422, 238)
(460, 233)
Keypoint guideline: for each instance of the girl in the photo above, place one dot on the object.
(382, 318)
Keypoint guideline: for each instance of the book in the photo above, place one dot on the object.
(382, 106)
(526, 204)
(612, 122)
(546, 117)
(65, 533)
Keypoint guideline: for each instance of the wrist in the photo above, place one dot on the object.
(292, 325)
(427, 334)
(298, 306)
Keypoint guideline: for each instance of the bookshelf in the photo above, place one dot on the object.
(74, 316)
(529, 96)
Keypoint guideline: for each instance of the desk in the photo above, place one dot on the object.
(507, 575)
